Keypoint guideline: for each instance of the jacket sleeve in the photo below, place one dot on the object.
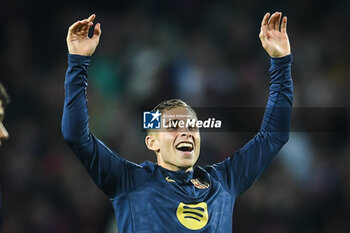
(112, 174)
(240, 170)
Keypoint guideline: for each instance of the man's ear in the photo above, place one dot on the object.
(152, 143)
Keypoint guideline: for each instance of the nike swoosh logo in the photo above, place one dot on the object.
(168, 179)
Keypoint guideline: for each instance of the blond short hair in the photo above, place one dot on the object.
(171, 104)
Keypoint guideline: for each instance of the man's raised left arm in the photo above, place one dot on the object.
(240, 170)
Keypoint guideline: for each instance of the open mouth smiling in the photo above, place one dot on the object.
(185, 146)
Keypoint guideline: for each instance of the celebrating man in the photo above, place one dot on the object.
(174, 195)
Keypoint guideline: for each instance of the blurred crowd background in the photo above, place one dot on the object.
(205, 52)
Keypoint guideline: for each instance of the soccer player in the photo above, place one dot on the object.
(174, 195)
(4, 100)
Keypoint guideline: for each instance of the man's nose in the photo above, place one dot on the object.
(185, 131)
(3, 132)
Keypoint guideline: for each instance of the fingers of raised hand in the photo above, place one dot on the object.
(92, 17)
(88, 23)
(76, 27)
(73, 27)
(284, 24)
(86, 27)
(82, 25)
(97, 32)
(272, 21)
(264, 21)
(278, 21)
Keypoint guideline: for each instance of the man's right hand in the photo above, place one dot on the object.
(273, 35)
(78, 41)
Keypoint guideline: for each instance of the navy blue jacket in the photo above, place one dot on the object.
(150, 199)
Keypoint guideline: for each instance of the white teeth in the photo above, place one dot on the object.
(184, 144)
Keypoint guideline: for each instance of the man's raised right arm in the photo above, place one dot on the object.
(75, 128)
(112, 174)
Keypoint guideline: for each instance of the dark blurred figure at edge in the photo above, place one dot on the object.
(4, 100)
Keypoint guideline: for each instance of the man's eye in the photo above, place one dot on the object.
(171, 127)
(192, 128)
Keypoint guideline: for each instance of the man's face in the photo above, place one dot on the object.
(3, 132)
(177, 148)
